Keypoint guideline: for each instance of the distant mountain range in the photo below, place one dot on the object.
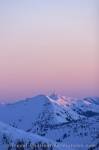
(61, 123)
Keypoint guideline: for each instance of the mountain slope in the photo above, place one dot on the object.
(11, 137)
(47, 111)
(18, 113)
(57, 118)
(35, 109)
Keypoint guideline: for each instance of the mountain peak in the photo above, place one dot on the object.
(54, 96)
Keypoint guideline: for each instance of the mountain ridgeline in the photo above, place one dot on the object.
(61, 123)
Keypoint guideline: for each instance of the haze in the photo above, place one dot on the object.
(48, 45)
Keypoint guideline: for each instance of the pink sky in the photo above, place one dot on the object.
(48, 49)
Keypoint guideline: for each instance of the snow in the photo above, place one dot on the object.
(13, 135)
(57, 118)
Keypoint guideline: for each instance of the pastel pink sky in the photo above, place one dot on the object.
(48, 46)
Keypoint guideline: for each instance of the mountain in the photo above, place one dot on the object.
(64, 120)
(39, 108)
(12, 138)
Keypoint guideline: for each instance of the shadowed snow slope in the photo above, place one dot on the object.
(11, 137)
(25, 114)
(54, 117)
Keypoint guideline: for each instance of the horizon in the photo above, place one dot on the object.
(42, 94)
(46, 46)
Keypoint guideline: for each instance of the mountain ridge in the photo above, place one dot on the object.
(55, 118)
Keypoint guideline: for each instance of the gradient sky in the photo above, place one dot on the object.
(48, 45)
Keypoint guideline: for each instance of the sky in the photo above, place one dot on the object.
(46, 46)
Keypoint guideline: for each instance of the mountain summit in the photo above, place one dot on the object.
(54, 117)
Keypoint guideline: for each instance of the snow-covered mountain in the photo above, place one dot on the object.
(56, 118)
(12, 138)
(47, 110)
